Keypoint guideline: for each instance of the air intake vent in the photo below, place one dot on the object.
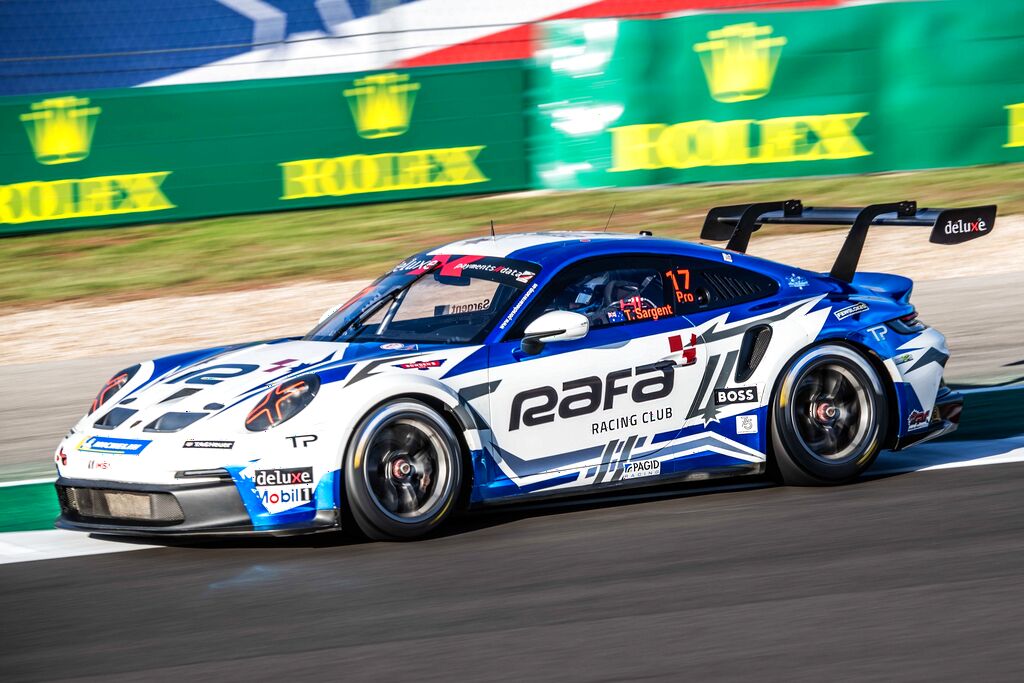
(173, 422)
(752, 350)
(108, 505)
(729, 287)
(187, 391)
(114, 418)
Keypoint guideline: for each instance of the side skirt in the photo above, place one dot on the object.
(753, 469)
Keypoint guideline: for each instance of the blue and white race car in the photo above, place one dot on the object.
(510, 368)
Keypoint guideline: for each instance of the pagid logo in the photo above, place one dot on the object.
(739, 61)
(60, 129)
(382, 104)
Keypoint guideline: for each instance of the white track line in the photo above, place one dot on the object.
(28, 482)
(951, 455)
(27, 546)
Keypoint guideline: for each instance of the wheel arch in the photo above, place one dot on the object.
(888, 384)
(444, 404)
(877, 364)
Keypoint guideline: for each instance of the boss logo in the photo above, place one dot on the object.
(724, 397)
(590, 394)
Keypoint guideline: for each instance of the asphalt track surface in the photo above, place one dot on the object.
(905, 577)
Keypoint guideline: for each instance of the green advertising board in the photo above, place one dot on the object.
(719, 97)
(167, 153)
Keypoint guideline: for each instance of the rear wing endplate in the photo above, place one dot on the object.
(949, 226)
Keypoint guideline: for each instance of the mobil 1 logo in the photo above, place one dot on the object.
(724, 397)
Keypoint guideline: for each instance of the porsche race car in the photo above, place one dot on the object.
(516, 367)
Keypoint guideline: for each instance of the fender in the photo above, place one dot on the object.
(372, 391)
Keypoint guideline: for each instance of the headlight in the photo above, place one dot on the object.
(282, 402)
(113, 385)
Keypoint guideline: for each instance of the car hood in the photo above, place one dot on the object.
(209, 392)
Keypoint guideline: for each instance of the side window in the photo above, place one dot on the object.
(610, 291)
(702, 286)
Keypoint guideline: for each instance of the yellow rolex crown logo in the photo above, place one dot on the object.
(60, 129)
(382, 104)
(739, 61)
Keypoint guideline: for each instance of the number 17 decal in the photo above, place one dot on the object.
(683, 294)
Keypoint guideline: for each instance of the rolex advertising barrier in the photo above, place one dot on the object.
(721, 97)
(166, 153)
(707, 97)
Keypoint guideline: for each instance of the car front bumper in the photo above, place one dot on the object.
(187, 509)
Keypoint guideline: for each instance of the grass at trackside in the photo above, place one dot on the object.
(358, 241)
(28, 508)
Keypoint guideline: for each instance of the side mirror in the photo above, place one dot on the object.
(554, 326)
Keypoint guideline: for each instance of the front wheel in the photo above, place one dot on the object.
(403, 471)
(829, 416)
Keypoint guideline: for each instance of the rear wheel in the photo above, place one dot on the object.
(828, 417)
(403, 471)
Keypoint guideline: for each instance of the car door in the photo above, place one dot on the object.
(739, 318)
(579, 410)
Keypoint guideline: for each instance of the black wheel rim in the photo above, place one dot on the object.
(407, 468)
(832, 411)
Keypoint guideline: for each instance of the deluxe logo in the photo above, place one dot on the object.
(739, 61)
(594, 394)
(724, 397)
(111, 446)
(60, 130)
(382, 104)
(283, 477)
(962, 226)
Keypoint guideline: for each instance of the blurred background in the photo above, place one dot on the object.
(183, 174)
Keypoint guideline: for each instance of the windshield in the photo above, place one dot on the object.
(430, 299)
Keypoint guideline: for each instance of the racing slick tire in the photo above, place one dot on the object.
(402, 471)
(828, 417)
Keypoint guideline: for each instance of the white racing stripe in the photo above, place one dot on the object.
(27, 546)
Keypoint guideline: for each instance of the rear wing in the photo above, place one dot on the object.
(949, 226)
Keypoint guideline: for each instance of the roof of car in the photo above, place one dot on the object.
(550, 249)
